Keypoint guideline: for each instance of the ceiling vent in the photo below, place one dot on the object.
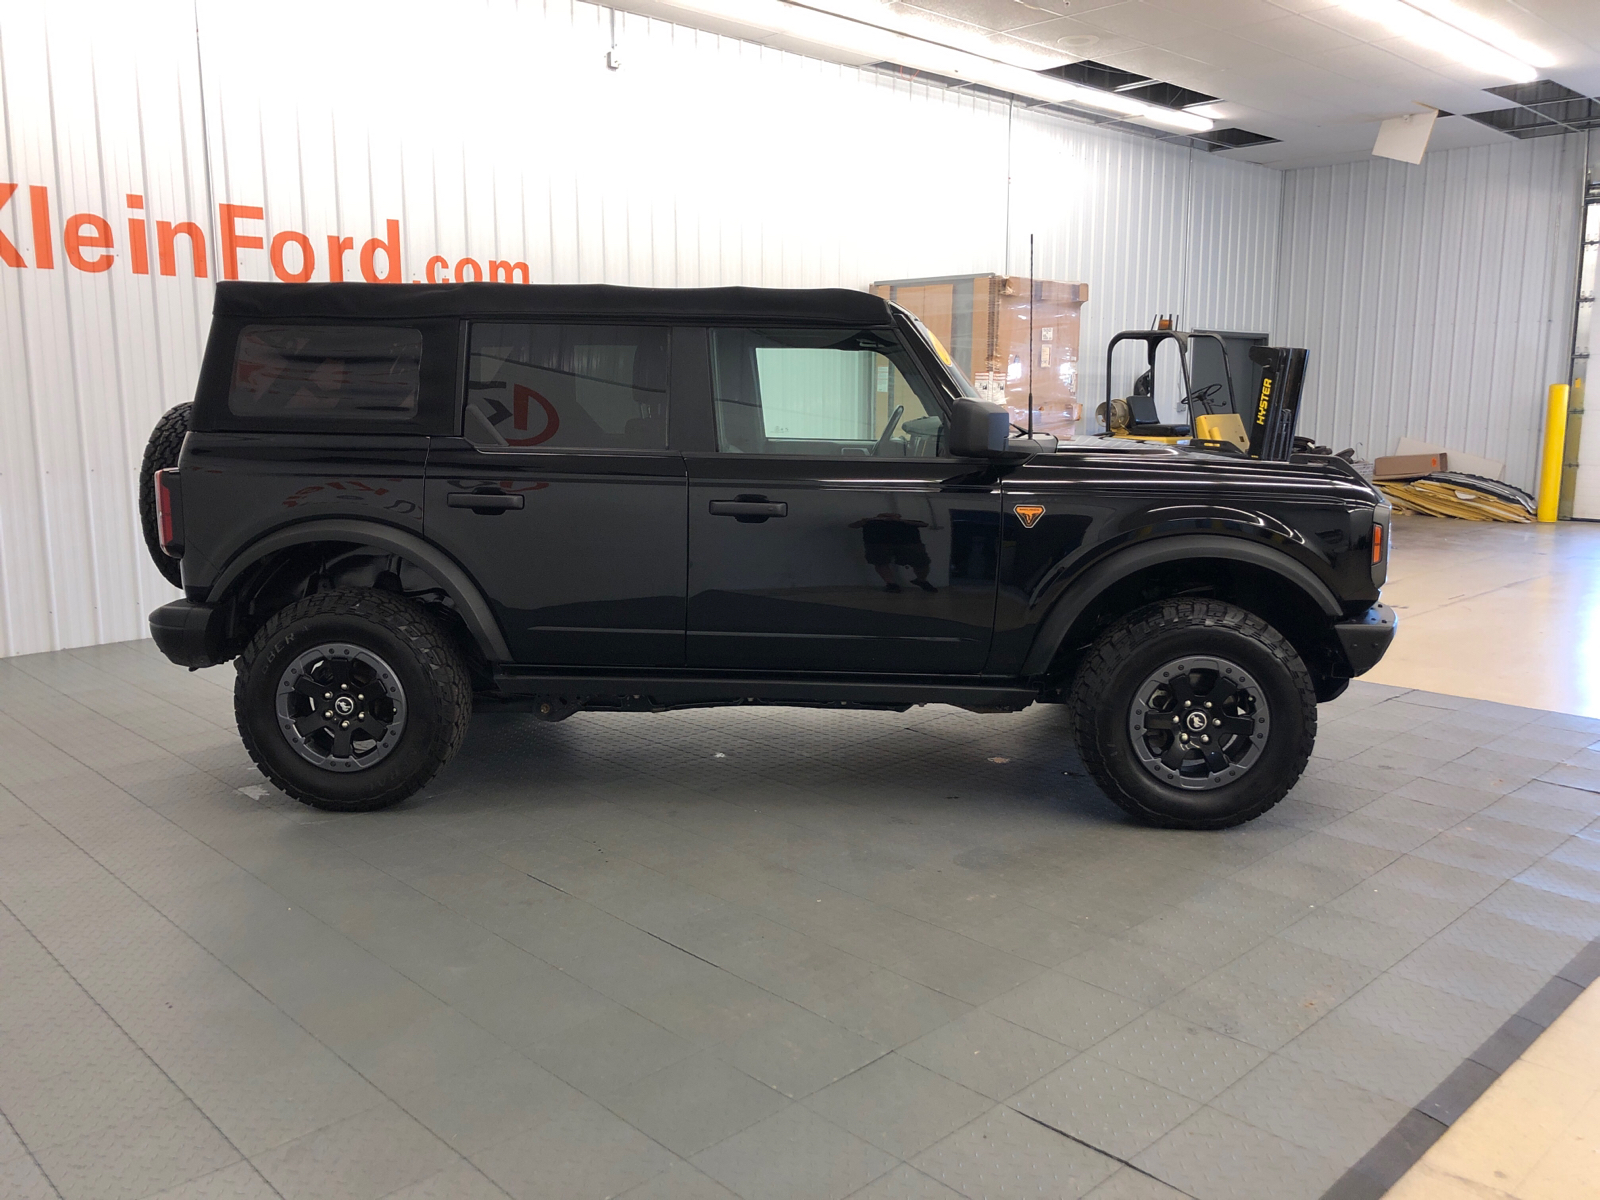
(1167, 95)
(1096, 75)
(1540, 91)
(1233, 138)
(1542, 108)
(1140, 87)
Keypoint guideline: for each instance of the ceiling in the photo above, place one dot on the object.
(1308, 72)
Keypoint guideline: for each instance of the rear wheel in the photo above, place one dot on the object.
(160, 452)
(351, 699)
(1194, 714)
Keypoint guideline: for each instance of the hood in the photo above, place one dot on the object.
(1120, 462)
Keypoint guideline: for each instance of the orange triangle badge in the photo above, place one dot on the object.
(1029, 514)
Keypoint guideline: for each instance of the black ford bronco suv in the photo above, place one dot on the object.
(393, 505)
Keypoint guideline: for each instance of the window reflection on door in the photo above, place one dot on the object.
(820, 392)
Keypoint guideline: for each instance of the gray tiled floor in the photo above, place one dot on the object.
(754, 953)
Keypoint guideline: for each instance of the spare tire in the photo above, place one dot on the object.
(160, 452)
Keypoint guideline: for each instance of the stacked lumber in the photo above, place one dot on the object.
(1453, 494)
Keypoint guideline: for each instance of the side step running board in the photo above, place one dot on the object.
(672, 691)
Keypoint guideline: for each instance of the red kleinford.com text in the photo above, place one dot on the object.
(90, 244)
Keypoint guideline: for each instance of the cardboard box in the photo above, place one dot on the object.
(983, 320)
(1410, 466)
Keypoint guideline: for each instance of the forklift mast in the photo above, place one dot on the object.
(1277, 406)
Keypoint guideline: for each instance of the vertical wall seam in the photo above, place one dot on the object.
(213, 249)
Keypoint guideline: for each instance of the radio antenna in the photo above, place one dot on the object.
(1032, 288)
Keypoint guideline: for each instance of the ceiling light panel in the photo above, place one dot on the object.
(1413, 22)
(930, 28)
(1486, 30)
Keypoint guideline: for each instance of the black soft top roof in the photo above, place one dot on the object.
(410, 301)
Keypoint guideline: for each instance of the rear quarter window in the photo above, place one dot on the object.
(319, 373)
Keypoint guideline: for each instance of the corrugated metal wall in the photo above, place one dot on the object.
(1436, 300)
(501, 135)
(1150, 228)
(96, 104)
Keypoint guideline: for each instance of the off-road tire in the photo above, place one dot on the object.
(438, 695)
(1104, 690)
(160, 452)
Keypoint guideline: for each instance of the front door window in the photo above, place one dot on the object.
(820, 392)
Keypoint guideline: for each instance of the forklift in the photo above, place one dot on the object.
(1255, 417)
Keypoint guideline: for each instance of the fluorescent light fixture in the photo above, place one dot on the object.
(866, 34)
(1486, 30)
(929, 28)
(1465, 37)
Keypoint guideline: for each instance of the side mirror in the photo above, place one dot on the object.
(978, 429)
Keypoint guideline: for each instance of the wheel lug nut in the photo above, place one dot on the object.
(1203, 737)
(329, 713)
(361, 716)
(345, 725)
(327, 695)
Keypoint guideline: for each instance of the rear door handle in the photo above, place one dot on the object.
(749, 510)
(484, 502)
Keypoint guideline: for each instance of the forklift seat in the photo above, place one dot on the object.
(1147, 421)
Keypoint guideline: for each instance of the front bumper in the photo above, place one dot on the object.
(190, 634)
(1367, 637)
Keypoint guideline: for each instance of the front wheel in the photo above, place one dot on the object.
(351, 699)
(1194, 714)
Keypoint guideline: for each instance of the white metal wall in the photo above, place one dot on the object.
(97, 101)
(1436, 300)
(501, 135)
(1149, 227)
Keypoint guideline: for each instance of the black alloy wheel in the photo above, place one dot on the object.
(341, 707)
(1199, 722)
(1194, 714)
(351, 699)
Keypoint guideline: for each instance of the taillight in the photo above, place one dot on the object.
(1377, 544)
(169, 512)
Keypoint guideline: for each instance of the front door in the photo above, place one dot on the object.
(829, 532)
(562, 498)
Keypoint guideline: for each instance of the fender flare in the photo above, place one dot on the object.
(457, 584)
(1087, 587)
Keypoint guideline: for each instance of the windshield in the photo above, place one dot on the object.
(957, 376)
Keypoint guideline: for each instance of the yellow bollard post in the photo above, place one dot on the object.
(1555, 441)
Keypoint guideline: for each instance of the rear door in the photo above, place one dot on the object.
(562, 496)
(829, 531)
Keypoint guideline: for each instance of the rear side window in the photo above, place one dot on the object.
(566, 387)
(333, 372)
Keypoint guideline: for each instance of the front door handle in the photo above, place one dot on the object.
(487, 502)
(749, 509)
